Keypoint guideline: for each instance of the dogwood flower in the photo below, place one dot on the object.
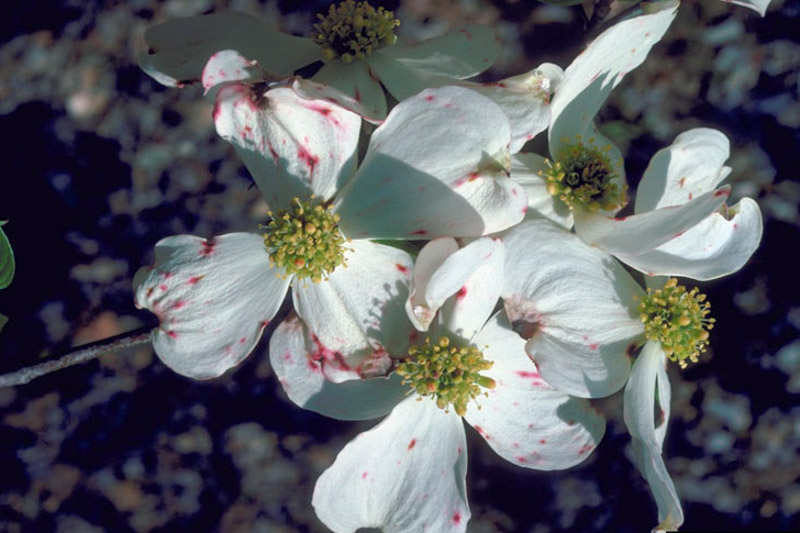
(584, 318)
(430, 169)
(407, 474)
(354, 40)
(681, 225)
(585, 169)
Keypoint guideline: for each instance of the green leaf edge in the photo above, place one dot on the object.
(7, 264)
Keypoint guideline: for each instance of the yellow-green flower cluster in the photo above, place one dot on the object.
(584, 175)
(448, 373)
(678, 320)
(353, 30)
(306, 242)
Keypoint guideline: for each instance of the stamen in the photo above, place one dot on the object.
(307, 242)
(583, 174)
(353, 30)
(678, 320)
(450, 374)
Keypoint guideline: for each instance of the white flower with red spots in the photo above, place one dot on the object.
(355, 63)
(408, 473)
(681, 225)
(584, 318)
(434, 167)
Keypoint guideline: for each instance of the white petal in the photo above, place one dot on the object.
(576, 306)
(419, 309)
(212, 298)
(647, 434)
(179, 49)
(461, 53)
(523, 419)
(357, 316)
(525, 170)
(403, 81)
(293, 147)
(353, 79)
(470, 282)
(597, 70)
(692, 165)
(525, 99)
(225, 67)
(759, 6)
(405, 475)
(637, 234)
(436, 167)
(715, 247)
(292, 355)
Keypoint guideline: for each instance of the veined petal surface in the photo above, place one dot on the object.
(717, 246)
(575, 305)
(436, 167)
(598, 69)
(357, 316)
(179, 49)
(405, 475)
(525, 420)
(292, 146)
(301, 369)
(213, 298)
(647, 433)
(691, 166)
(461, 53)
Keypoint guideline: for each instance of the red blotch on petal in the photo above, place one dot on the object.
(412, 444)
(462, 292)
(401, 268)
(419, 232)
(456, 517)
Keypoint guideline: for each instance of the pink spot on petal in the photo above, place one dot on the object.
(593, 346)
(364, 474)
(178, 304)
(722, 192)
(527, 374)
(207, 248)
(482, 432)
(412, 444)
(194, 279)
(162, 287)
(542, 441)
(172, 334)
(456, 518)
(419, 232)
(429, 98)
(462, 292)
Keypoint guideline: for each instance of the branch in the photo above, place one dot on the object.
(81, 354)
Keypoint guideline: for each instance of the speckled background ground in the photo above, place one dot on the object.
(99, 163)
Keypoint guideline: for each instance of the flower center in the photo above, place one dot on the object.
(676, 318)
(584, 174)
(306, 242)
(354, 29)
(450, 374)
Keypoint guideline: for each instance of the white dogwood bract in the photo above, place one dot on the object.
(574, 304)
(681, 225)
(579, 95)
(408, 473)
(179, 49)
(647, 385)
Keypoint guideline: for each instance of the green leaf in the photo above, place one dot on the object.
(7, 265)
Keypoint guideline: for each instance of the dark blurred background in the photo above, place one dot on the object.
(99, 162)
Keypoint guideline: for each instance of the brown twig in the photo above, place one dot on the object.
(80, 354)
